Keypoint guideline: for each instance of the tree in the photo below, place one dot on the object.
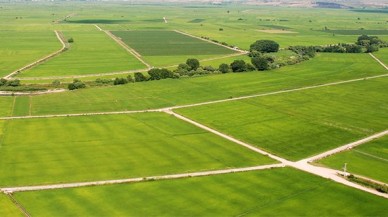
(372, 48)
(183, 66)
(120, 81)
(238, 66)
(157, 74)
(261, 63)
(139, 77)
(77, 84)
(224, 68)
(3, 82)
(365, 40)
(192, 63)
(182, 69)
(13, 83)
(265, 46)
(70, 40)
(353, 48)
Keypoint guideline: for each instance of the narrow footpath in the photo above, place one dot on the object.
(65, 46)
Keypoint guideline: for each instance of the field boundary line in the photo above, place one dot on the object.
(300, 165)
(30, 93)
(122, 72)
(81, 114)
(139, 179)
(379, 61)
(83, 76)
(212, 42)
(98, 27)
(346, 147)
(230, 138)
(196, 104)
(126, 47)
(371, 155)
(65, 46)
(18, 205)
(279, 92)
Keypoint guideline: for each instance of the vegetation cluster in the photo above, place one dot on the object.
(15, 85)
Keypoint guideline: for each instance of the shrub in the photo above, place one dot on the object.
(3, 82)
(157, 74)
(77, 84)
(192, 63)
(261, 63)
(372, 48)
(209, 68)
(304, 50)
(120, 81)
(224, 68)
(139, 77)
(130, 79)
(56, 83)
(238, 66)
(13, 83)
(103, 81)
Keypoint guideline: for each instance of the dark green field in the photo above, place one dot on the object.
(168, 43)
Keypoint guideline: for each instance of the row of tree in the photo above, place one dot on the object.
(9, 83)
(364, 43)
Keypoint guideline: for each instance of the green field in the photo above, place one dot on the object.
(295, 125)
(91, 148)
(92, 52)
(323, 69)
(20, 48)
(7, 208)
(277, 192)
(6, 105)
(382, 54)
(300, 124)
(168, 43)
(169, 47)
(370, 160)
